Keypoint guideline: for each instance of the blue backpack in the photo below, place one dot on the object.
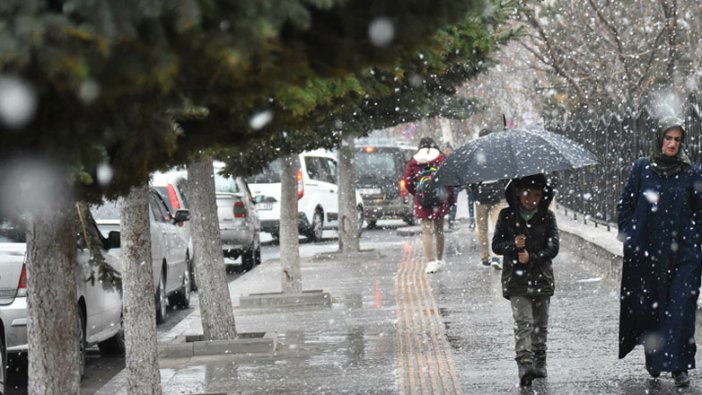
(429, 193)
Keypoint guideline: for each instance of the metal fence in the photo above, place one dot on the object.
(618, 140)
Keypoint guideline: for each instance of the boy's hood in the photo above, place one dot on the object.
(426, 155)
(546, 200)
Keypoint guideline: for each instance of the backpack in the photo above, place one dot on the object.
(429, 193)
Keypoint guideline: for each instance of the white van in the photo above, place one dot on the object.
(318, 200)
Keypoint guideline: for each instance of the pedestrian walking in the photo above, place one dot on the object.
(453, 208)
(660, 223)
(489, 200)
(526, 235)
(421, 167)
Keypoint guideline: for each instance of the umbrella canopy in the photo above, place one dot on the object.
(512, 153)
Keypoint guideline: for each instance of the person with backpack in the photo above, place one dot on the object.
(431, 202)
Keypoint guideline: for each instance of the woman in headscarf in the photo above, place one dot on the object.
(660, 222)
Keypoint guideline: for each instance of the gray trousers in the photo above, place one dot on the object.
(530, 327)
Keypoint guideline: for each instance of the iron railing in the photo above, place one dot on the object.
(617, 140)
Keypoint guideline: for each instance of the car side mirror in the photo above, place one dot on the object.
(113, 239)
(181, 216)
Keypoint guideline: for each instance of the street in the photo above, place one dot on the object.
(394, 329)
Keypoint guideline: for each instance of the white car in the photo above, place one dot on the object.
(317, 192)
(99, 302)
(169, 251)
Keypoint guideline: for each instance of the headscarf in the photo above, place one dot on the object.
(662, 164)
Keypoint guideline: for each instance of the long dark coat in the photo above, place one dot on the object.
(542, 242)
(660, 222)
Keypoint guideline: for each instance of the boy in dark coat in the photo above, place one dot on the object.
(526, 235)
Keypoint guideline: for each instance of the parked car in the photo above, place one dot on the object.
(99, 302)
(171, 185)
(317, 193)
(239, 224)
(169, 251)
(380, 170)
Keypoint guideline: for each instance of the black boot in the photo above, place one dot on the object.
(653, 372)
(526, 373)
(540, 365)
(681, 379)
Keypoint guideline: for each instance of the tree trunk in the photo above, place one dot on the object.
(52, 328)
(216, 309)
(348, 217)
(138, 306)
(289, 233)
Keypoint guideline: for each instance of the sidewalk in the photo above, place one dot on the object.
(393, 329)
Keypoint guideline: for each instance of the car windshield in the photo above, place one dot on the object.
(269, 175)
(106, 211)
(374, 164)
(11, 232)
(225, 184)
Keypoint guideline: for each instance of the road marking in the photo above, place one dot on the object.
(425, 362)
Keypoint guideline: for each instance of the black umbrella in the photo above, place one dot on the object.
(512, 153)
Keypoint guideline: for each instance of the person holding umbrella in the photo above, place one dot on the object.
(423, 164)
(526, 235)
(660, 223)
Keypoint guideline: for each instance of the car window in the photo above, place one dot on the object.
(333, 172)
(164, 192)
(11, 232)
(109, 209)
(226, 184)
(319, 169)
(375, 164)
(271, 173)
(159, 208)
(180, 186)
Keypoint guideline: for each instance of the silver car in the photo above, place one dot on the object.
(239, 225)
(99, 303)
(169, 251)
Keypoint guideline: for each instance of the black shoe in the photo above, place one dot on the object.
(681, 379)
(653, 372)
(526, 374)
(540, 368)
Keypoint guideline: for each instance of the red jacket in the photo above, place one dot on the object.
(426, 157)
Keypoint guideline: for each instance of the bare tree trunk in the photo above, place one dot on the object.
(348, 217)
(215, 302)
(289, 233)
(138, 307)
(52, 325)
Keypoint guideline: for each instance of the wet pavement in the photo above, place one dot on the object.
(393, 329)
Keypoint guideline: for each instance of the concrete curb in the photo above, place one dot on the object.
(609, 264)
(278, 299)
(245, 343)
(347, 256)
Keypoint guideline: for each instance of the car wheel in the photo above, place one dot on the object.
(248, 258)
(316, 230)
(191, 269)
(114, 345)
(257, 253)
(372, 223)
(81, 343)
(161, 301)
(182, 297)
(361, 218)
(3, 364)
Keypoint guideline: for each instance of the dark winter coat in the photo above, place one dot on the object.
(542, 242)
(660, 221)
(426, 157)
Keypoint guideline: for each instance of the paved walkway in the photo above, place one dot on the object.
(392, 329)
